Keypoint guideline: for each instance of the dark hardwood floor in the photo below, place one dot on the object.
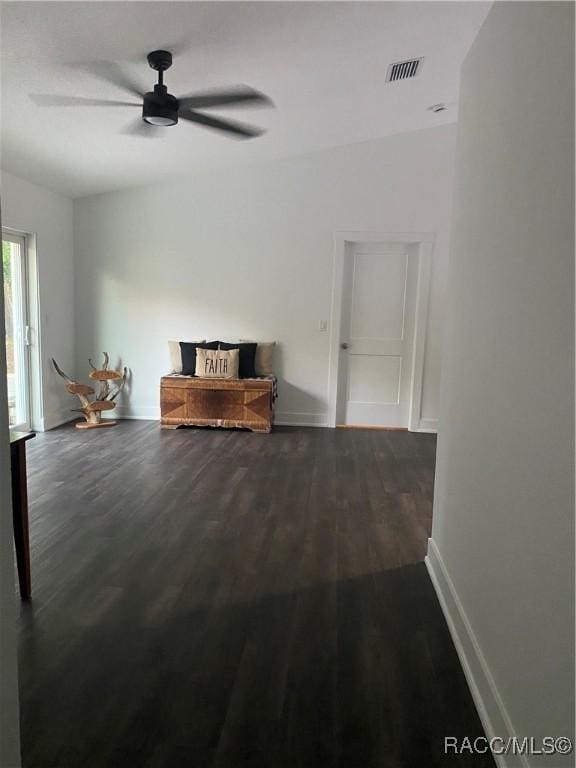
(218, 599)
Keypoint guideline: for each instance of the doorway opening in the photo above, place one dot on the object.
(379, 319)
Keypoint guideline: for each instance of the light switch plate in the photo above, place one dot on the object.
(322, 325)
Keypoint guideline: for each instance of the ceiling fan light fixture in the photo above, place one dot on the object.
(160, 107)
(159, 120)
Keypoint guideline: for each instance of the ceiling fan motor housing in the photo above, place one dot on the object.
(160, 107)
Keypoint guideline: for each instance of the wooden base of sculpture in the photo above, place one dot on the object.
(88, 425)
(190, 401)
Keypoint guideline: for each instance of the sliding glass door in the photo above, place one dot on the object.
(17, 330)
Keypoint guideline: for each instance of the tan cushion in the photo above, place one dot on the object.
(175, 354)
(217, 363)
(263, 362)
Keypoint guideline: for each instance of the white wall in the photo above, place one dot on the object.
(503, 532)
(249, 254)
(38, 211)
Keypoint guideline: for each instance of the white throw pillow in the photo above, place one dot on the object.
(175, 355)
(217, 363)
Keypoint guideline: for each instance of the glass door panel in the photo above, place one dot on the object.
(16, 324)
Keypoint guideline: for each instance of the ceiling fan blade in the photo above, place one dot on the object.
(54, 100)
(111, 72)
(226, 126)
(142, 129)
(241, 94)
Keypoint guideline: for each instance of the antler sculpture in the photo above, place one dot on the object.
(104, 399)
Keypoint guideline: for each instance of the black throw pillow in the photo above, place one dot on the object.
(246, 357)
(188, 350)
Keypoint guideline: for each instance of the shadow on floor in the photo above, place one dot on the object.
(360, 672)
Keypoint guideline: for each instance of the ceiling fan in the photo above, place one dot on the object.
(160, 108)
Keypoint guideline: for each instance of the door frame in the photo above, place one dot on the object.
(19, 238)
(424, 244)
(35, 382)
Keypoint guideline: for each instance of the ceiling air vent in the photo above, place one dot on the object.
(402, 70)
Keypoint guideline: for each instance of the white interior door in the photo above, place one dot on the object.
(377, 333)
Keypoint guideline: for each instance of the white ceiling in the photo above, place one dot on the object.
(323, 63)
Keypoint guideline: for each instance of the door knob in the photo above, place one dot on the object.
(344, 345)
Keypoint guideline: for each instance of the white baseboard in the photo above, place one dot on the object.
(287, 419)
(489, 704)
(428, 425)
(54, 420)
(143, 412)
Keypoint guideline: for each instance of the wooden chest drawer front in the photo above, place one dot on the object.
(224, 404)
(219, 407)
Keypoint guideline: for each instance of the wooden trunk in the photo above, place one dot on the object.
(199, 402)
